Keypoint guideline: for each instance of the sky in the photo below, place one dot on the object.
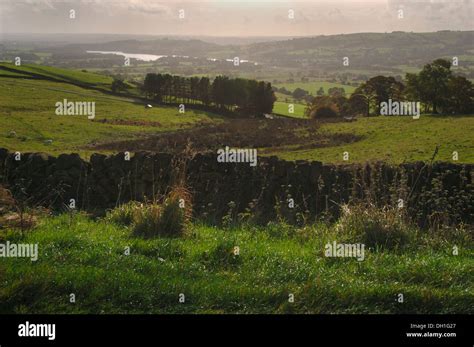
(234, 18)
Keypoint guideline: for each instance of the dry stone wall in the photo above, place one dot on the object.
(264, 191)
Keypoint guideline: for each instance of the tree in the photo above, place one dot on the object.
(430, 86)
(299, 93)
(336, 91)
(364, 95)
(267, 98)
(377, 90)
(320, 91)
(357, 105)
(461, 96)
(204, 91)
(118, 85)
(249, 96)
(194, 88)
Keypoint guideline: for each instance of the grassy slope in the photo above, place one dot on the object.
(87, 258)
(281, 105)
(282, 108)
(28, 108)
(11, 73)
(66, 75)
(396, 139)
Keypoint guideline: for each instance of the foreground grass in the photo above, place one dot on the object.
(87, 258)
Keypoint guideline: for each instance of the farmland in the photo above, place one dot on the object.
(27, 124)
(313, 86)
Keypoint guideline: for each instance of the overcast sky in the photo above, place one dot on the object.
(234, 18)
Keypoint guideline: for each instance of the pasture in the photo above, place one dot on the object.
(27, 111)
(78, 254)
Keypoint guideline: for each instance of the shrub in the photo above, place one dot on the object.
(123, 215)
(324, 112)
(168, 218)
(375, 227)
(17, 214)
(173, 219)
(323, 107)
(146, 220)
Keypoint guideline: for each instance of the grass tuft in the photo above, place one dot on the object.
(377, 228)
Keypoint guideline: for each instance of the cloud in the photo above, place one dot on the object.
(239, 17)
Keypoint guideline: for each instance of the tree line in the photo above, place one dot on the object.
(240, 95)
(435, 87)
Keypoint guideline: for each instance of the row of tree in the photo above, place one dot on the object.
(232, 94)
(436, 88)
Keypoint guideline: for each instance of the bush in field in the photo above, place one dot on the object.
(375, 227)
(323, 107)
(173, 218)
(167, 218)
(324, 112)
(123, 215)
(146, 220)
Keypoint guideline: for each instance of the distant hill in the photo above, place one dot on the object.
(366, 50)
(162, 46)
(369, 53)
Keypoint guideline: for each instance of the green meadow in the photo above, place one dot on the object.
(28, 122)
(81, 77)
(278, 268)
(394, 139)
(111, 271)
(28, 118)
(283, 108)
(313, 86)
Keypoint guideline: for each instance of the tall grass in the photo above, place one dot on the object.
(385, 227)
(87, 258)
(169, 216)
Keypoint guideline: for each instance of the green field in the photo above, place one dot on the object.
(87, 258)
(394, 140)
(27, 108)
(87, 255)
(282, 108)
(12, 74)
(64, 75)
(313, 87)
(28, 121)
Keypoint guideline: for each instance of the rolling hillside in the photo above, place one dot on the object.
(28, 118)
(29, 123)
